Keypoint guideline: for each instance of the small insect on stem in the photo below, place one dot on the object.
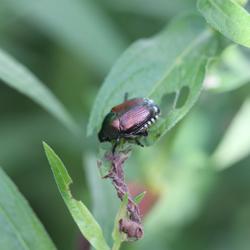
(129, 120)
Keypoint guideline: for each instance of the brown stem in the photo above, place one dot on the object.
(132, 226)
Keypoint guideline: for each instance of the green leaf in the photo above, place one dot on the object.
(19, 226)
(137, 199)
(80, 26)
(231, 72)
(173, 62)
(229, 18)
(21, 79)
(235, 144)
(241, 2)
(103, 195)
(161, 9)
(119, 237)
(80, 213)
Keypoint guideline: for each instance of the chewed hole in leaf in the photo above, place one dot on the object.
(167, 103)
(182, 97)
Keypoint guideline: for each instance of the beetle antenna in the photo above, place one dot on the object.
(125, 96)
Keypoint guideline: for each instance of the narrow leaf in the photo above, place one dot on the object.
(172, 62)
(119, 237)
(20, 78)
(19, 226)
(229, 18)
(137, 199)
(79, 26)
(235, 144)
(80, 213)
(103, 195)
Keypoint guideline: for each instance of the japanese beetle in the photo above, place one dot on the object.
(129, 120)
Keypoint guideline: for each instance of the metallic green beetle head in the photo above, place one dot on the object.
(108, 132)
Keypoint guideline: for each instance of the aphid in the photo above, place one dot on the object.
(130, 120)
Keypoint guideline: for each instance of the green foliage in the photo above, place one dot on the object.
(155, 67)
(80, 26)
(138, 198)
(20, 78)
(178, 206)
(159, 9)
(235, 145)
(122, 213)
(20, 228)
(182, 208)
(229, 18)
(230, 72)
(103, 195)
(82, 216)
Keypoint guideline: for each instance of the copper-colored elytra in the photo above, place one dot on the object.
(134, 117)
(127, 105)
(129, 120)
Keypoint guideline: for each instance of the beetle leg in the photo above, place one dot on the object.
(141, 132)
(144, 133)
(115, 145)
(139, 143)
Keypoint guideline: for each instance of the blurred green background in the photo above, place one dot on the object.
(71, 46)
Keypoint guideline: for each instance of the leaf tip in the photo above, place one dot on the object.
(46, 147)
(139, 197)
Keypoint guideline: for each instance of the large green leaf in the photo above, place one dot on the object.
(78, 25)
(229, 18)
(20, 78)
(173, 62)
(19, 227)
(82, 216)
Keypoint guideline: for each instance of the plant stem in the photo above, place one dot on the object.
(116, 245)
